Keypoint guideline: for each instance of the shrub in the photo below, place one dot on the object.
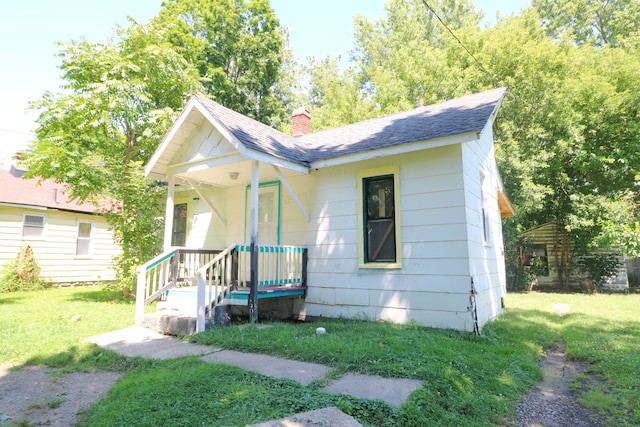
(600, 267)
(21, 273)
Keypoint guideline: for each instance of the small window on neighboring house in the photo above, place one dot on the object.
(83, 241)
(33, 226)
(379, 222)
(535, 259)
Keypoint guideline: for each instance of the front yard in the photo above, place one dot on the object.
(469, 380)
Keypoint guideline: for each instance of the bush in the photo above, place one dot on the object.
(600, 267)
(21, 273)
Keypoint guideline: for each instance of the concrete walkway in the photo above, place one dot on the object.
(139, 341)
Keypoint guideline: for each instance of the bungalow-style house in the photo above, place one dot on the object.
(396, 218)
(546, 249)
(70, 241)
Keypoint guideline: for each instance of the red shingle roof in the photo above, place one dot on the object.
(15, 190)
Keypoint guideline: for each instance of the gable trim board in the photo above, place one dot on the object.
(437, 154)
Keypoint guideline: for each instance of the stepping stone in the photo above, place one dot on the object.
(326, 417)
(394, 391)
(139, 341)
(302, 372)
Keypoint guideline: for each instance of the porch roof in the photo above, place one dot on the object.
(445, 122)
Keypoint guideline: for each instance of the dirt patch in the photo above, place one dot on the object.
(43, 397)
(553, 403)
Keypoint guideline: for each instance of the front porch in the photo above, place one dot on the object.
(196, 285)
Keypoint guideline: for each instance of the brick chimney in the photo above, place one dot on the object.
(301, 119)
(17, 168)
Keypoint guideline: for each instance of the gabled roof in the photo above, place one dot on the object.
(467, 115)
(459, 116)
(14, 190)
(255, 135)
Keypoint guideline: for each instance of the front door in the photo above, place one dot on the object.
(179, 235)
(268, 214)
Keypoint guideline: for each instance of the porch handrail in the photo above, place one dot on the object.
(218, 276)
(164, 271)
(278, 266)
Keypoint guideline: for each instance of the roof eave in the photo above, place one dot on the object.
(396, 149)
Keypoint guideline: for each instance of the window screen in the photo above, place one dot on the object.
(33, 225)
(379, 213)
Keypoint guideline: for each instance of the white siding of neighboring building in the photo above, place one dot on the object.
(56, 252)
(547, 235)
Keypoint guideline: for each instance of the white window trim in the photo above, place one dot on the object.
(91, 236)
(44, 226)
(372, 173)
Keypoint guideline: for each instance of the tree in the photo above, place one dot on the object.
(567, 137)
(567, 140)
(236, 46)
(335, 97)
(119, 99)
(596, 22)
(411, 56)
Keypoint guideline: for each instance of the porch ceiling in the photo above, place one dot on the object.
(223, 175)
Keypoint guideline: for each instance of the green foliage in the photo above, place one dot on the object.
(236, 47)
(567, 134)
(519, 276)
(597, 22)
(21, 273)
(122, 96)
(600, 267)
(120, 99)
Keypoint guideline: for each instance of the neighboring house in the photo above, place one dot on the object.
(546, 249)
(70, 241)
(400, 216)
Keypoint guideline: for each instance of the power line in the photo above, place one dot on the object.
(495, 81)
(17, 131)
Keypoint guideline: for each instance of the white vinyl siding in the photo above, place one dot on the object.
(486, 254)
(55, 253)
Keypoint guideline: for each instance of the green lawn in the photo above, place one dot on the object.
(469, 380)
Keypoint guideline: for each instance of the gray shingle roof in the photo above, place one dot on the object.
(457, 116)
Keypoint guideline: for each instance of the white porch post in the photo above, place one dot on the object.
(168, 216)
(253, 292)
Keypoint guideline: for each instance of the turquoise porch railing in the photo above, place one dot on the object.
(279, 268)
(170, 269)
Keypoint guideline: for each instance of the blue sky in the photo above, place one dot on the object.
(29, 30)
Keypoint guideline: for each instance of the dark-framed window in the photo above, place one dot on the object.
(379, 223)
(379, 229)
